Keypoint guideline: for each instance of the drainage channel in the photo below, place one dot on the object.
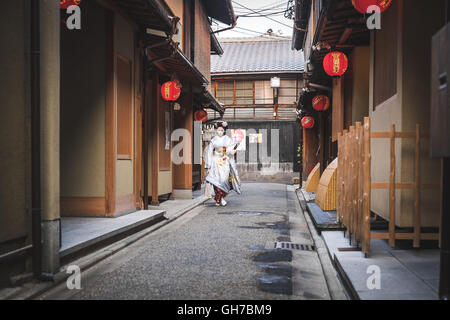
(294, 246)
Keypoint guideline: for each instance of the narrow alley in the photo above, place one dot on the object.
(126, 123)
(216, 253)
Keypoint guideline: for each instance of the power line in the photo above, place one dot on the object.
(252, 15)
(245, 33)
(274, 4)
(273, 9)
(262, 16)
(267, 9)
(249, 30)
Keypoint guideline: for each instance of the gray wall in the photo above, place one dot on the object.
(410, 106)
(256, 168)
(15, 138)
(83, 105)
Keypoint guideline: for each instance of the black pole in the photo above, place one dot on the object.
(444, 279)
(35, 137)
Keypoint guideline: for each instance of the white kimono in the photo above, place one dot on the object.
(222, 166)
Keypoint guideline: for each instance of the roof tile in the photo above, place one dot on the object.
(257, 56)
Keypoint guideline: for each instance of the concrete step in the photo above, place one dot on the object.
(81, 235)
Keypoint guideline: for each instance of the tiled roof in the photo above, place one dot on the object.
(257, 56)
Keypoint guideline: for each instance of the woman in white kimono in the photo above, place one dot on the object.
(221, 165)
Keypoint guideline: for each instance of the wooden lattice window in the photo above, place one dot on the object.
(244, 92)
(225, 92)
(263, 92)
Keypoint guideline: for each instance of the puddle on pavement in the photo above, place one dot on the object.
(312, 296)
(275, 284)
(306, 274)
(278, 277)
(250, 227)
(277, 269)
(255, 247)
(284, 239)
(282, 227)
(246, 213)
(276, 255)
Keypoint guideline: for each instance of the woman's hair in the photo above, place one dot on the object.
(222, 124)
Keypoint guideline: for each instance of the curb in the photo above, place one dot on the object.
(331, 276)
(92, 259)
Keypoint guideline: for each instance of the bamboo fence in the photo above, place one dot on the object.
(354, 186)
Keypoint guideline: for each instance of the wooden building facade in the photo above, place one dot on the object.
(243, 80)
(387, 87)
(387, 80)
(93, 131)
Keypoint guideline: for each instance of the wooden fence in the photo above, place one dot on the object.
(354, 186)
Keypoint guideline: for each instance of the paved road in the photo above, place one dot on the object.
(215, 253)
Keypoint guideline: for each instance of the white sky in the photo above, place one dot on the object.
(281, 26)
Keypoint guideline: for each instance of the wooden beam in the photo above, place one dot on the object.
(416, 242)
(392, 191)
(268, 106)
(345, 35)
(367, 190)
(404, 236)
(155, 138)
(111, 115)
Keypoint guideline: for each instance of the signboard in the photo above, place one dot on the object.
(238, 136)
(255, 138)
(167, 131)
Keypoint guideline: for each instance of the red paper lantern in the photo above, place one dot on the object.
(64, 4)
(170, 91)
(335, 63)
(201, 115)
(307, 122)
(321, 102)
(362, 5)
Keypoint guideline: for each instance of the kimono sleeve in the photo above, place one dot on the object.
(209, 154)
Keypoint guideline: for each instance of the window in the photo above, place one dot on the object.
(263, 92)
(258, 92)
(225, 92)
(124, 108)
(288, 92)
(244, 92)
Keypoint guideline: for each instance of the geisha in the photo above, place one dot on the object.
(221, 166)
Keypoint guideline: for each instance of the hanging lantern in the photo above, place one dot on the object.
(335, 63)
(363, 5)
(201, 115)
(170, 90)
(64, 4)
(321, 102)
(308, 122)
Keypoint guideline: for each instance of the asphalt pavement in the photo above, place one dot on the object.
(216, 253)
